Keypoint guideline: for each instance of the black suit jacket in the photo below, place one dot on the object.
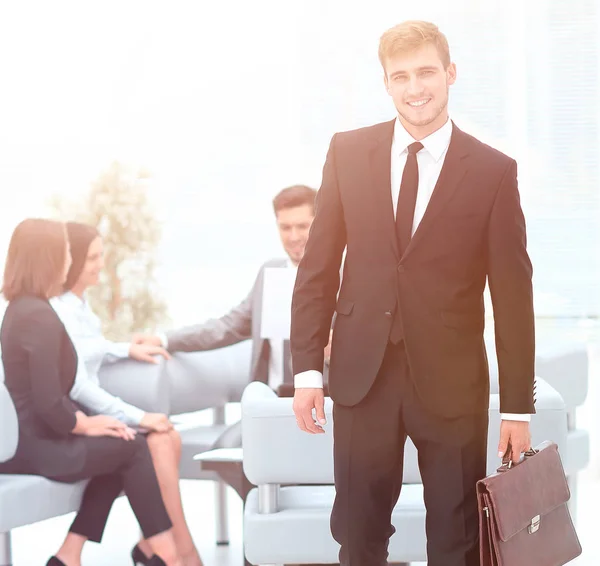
(473, 229)
(40, 364)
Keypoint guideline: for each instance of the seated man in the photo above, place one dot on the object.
(294, 212)
(294, 209)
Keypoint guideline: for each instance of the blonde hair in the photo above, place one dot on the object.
(411, 35)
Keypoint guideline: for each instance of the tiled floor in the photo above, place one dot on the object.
(34, 544)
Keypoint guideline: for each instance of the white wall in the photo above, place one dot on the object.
(228, 102)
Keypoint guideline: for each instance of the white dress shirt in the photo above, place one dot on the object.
(429, 162)
(276, 370)
(85, 330)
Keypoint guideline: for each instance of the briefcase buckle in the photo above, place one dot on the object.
(535, 525)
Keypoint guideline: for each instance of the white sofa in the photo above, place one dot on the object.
(187, 382)
(289, 524)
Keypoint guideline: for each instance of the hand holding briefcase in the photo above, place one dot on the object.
(523, 514)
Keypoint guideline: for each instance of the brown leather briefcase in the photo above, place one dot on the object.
(523, 514)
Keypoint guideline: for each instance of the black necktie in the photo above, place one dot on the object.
(404, 220)
(407, 197)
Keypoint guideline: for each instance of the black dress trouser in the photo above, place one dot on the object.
(369, 441)
(114, 465)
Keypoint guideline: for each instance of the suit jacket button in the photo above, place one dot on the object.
(388, 313)
(400, 269)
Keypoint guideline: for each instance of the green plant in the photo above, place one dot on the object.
(127, 298)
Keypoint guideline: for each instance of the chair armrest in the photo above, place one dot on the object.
(567, 370)
(213, 378)
(141, 384)
(275, 449)
(231, 438)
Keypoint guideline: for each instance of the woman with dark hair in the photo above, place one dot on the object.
(56, 440)
(85, 330)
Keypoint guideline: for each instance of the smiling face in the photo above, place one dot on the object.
(94, 262)
(419, 85)
(294, 225)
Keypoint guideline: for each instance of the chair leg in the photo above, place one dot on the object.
(5, 550)
(221, 514)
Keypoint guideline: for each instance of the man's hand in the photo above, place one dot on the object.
(517, 434)
(148, 339)
(305, 400)
(156, 422)
(145, 353)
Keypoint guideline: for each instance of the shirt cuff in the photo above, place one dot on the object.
(131, 415)
(164, 342)
(311, 378)
(515, 417)
(118, 349)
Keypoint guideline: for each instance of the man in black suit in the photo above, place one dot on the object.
(426, 214)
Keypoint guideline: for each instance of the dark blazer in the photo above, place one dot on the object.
(473, 230)
(39, 367)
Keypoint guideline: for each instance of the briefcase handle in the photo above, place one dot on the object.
(507, 462)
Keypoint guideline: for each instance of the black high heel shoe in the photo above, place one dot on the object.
(55, 562)
(138, 557)
(156, 561)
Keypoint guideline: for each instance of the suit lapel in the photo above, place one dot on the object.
(380, 162)
(453, 170)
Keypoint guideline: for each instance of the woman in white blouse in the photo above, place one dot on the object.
(93, 349)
